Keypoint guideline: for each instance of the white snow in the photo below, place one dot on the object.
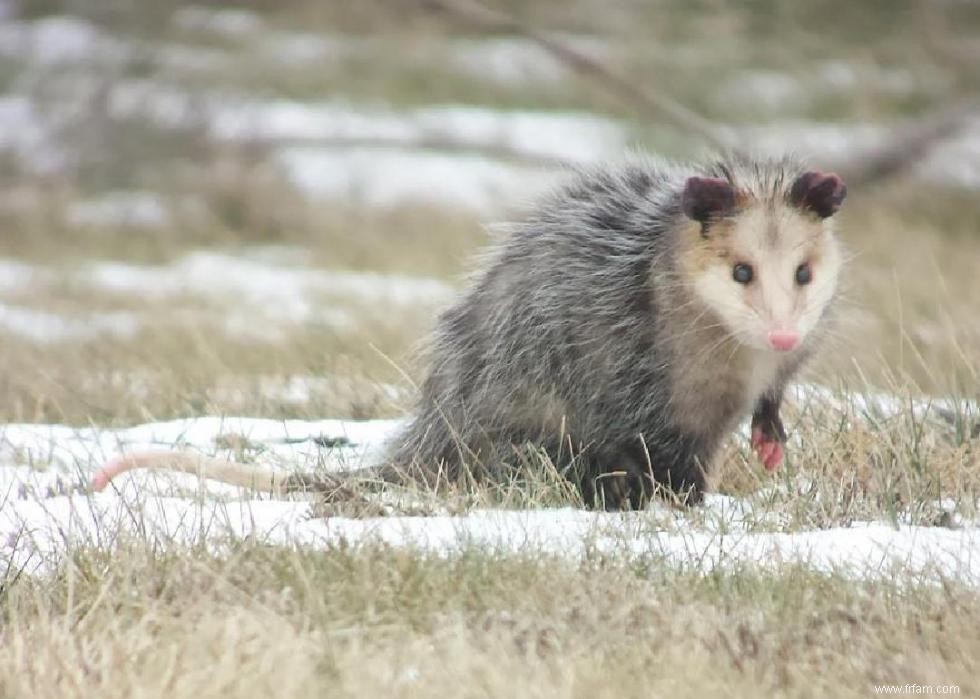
(303, 51)
(385, 177)
(229, 23)
(762, 91)
(281, 289)
(39, 530)
(829, 141)
(39, 458)
(15, 275)
(953, 161)
(510, 60)
(561, 136)
(504, 60)
(192, 60)
(321, 144)
(296, 389)
(47, 327)
(132, 209)
(24, 133)
(60, 41)
(556, 135)
(45, 509)
(956, 160)
(447, 155)
(260, 295)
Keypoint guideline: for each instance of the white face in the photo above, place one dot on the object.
(769, 274)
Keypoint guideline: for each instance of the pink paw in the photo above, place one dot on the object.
(769, 451)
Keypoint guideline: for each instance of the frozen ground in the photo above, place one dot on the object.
(45, 506)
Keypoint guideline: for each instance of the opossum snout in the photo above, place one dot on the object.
(783, 340)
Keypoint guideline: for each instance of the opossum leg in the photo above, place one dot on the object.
(600, 480)
(628, 477)
(768, 434)
(674, 471)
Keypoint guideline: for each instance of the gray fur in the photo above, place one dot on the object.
(582, 337)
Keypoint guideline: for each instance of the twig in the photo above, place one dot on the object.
(907, 146)
(650, 104)
(896, 155)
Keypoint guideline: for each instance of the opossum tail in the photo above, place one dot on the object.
(231, 472)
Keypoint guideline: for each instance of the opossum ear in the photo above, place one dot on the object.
(705, 197)
(821, 193)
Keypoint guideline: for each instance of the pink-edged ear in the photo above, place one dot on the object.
(819, 192)
(706, 197)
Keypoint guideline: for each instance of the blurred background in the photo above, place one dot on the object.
(259, 207)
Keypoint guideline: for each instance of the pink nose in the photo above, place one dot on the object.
(783, 340)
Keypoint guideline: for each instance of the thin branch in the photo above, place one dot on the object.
(653, 105)
(896, 155)
(907, 146)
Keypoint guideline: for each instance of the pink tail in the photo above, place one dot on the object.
(222, 470)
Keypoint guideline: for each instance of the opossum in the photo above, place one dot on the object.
(623, 330)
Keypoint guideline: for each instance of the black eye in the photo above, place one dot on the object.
(742, 273)
(804, 275)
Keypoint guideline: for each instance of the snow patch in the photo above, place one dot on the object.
(54, 461)
(562, 136)
(515, 60)
(16, 276)
(261, 294)
(193, 59)
(60, 41)
(761, 91)
(829, 141)
(382, 177)
(956, 160)
(297, 389)
(23, 133)
(226, 23)
(300, 51)
(121, 209)
(764, 92)
(45, 327)
(953, 161)
(280, 290)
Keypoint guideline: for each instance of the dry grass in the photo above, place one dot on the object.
(380, 622)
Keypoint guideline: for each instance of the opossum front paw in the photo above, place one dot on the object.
(768, 434)
(768, 449)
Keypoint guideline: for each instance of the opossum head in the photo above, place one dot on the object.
(760, 251)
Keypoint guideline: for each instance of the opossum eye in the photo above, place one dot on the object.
(742, 273)
(804, 275)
